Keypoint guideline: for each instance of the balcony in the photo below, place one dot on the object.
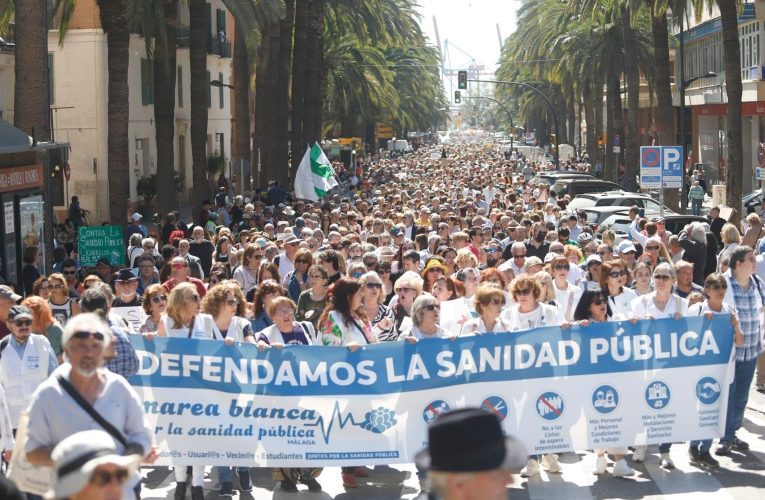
(219, 45)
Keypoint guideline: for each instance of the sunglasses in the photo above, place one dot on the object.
(523, 291)
(662, 277)
(178, 266)
(432, 307)
(652, 247)
(519, 256)
(357, 275)
(101, 478)
(373, 286)
(57, 287)
(82, 335)
(159, 298)
(562, 267)
(405, 289)
(598, 301)
(496, 302)
(617, 274)
(23, 322)
(302, 262)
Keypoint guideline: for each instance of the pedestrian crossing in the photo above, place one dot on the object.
(740, 476)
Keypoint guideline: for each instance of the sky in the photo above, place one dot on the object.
(470, 25)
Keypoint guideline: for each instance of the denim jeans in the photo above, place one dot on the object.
(738, 395)
(226, 475)
(703, 444)
(696, 207)
(664, 447)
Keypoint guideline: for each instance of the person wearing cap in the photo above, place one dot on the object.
(592, 272)
(126, 286)
(286, 259)
(469, 456)
(135, 227)
(86, 340)
(628, 253)
(8, 298)
(88, 467)
(26, 360)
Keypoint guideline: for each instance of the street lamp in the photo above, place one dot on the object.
(683, 85)
(218, 83)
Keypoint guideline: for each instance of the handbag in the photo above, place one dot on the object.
(29, 478)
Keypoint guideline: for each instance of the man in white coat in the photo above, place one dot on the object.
(26, 361)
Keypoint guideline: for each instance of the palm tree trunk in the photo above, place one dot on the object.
(241, 151)
(597, 109)
(299, 81)
(666, 120)
(114, 22)
(615, 124)
(262, 77)
(164, 107)
(200, 85)
(571, 118)
(589, 118)
(32, 109)
(632, 75)
(316, 80)
(281, 101)
(733, 88)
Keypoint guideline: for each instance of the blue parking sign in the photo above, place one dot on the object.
(672, 166)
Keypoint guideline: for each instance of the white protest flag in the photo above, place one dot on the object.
(322, 171)
(304, 179)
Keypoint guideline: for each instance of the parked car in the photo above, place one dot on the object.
(614, 198)
(596, 216)
(551, 178)
(620, 223)
(575, 187)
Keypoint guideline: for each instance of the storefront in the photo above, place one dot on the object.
(26, 176)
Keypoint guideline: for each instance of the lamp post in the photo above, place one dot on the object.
(552, 108)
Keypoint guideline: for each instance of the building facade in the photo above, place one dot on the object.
(79, 104)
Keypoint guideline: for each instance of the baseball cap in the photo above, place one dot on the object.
(125, 275)
(19, 312)
(7, 293)
(136, 216)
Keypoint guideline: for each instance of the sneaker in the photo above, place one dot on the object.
(349, 480)
(622, 469)
(180, 490)
(693, 453)
(361, 472)
(288, 486)
(197, 493)
(739, 445)
(226, 489)
(245, 481)
(707, 459)
(531, 469)
(312, 483)
(600, 466)
(550, 462)
(666, 461)
(724, 449)
(639, 454)
(760, 388)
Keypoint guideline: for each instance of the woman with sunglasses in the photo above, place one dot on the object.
(247, 273)
(375, 308)
(154, 305)
(594, 307)
(297, 279)
(566, 295)
(613, 280)
(488, 301)
(344, 324)
(383, 270)
(426, 313)
(661, 303)
(313, 301)
(61, 304)
(530, 308)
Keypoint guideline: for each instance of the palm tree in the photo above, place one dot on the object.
(31, 104)
(199, 88)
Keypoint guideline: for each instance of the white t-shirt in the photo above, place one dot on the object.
(476, 326)
(203, 328)
(645, 306)
(567, 300)
(701, 308)
(544, 315)
(621, 305)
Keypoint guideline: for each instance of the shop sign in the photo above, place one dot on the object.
(20, 178)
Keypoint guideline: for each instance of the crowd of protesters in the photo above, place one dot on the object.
(374, 261)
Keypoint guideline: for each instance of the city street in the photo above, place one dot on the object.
(740, 476)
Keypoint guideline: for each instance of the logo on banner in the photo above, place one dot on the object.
(657, 395)
(434, 410)
(550, 405)
(497, 406)
(379, 420)
(605, 399)
(708, 390)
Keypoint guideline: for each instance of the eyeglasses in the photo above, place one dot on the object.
(57, 287)
(652, 247)
(662, 277)
(522, 256)
(523, 291)
(23, 322)
(373, 286)
(178, 266)
(492, 250)
(405, 289)
(82, 335)
(159, 298)
(432, 307)
(316, 276)
(562, 267)
(146, 266)
(598, 301)
(101, 478)
(357, 275)
(496, 302)
(617, 274)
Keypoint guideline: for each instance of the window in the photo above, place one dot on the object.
(51, 86)
(220, 89)
(220, 17)
(147, 82)
(180, 86)
(209, 91)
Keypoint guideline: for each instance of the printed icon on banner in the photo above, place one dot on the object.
(708, 390)
(550, 405)
(497, 406)
(379, 420)
(605, 399)
(657, 395)
(434, 410)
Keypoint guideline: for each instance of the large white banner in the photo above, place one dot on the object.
(600, 386)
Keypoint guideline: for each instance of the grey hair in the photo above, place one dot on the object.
(135, 239)
(665, 268)
(518, 245)
(418, 307)
(698, 233)
(86, 322)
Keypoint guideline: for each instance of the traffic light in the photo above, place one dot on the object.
(462, 80)
(457, 97)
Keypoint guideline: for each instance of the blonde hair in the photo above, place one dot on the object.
(466, 257)
(729, 234)
(544, 278)
(484, 293)
(177, 300)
